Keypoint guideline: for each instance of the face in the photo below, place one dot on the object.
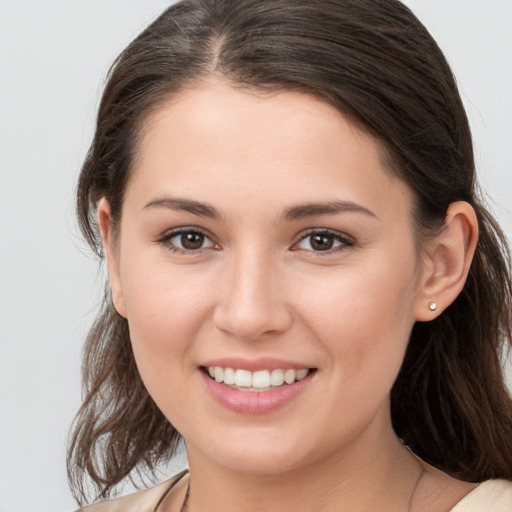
(262, 239)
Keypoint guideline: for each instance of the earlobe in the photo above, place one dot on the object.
(105, 225)
(448, 260)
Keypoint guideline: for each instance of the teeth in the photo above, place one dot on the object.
(243, 378)
(229, 376)
(289, 376)
(262, 379)
(301, 374)
(219, 374)
(277, 378)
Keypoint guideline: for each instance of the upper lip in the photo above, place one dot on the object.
(254, 365)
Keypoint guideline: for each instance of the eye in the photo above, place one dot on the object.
(323, 241)
(187, 240)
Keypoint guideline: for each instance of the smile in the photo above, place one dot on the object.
(262, 380)
(256, 385)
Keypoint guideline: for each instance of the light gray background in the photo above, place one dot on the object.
(54, 56)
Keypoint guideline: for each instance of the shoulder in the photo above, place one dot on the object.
(489, 496)
(142, 501)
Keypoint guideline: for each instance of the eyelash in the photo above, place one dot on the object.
(165, 240)
(344, 241)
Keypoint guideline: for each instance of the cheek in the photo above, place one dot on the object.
(166, 308)
(363, 318)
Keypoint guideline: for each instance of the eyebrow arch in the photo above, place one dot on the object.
(187, 205)
(306, 210)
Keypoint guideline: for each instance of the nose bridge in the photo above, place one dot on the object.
(253, 301)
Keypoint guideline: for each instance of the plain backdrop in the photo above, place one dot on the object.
(54, 56)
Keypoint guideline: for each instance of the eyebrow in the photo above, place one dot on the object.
(187, 205)
(305, 210)
(301, 211)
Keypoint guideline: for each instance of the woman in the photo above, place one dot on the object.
(304, 284)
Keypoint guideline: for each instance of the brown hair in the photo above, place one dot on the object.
(379, 66)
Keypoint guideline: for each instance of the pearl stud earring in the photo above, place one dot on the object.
(432, 306)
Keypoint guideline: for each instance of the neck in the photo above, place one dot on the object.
(373, 473)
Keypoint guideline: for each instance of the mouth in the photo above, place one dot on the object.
(257, 381)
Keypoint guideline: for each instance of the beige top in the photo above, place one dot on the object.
(489, 496)
(142, 501)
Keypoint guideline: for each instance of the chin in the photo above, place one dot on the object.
(257, 453)
(261, 463)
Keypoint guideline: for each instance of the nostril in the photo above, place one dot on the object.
(252, 322)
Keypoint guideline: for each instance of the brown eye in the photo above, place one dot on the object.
(185, 240)
(192, 241)
(323, 241)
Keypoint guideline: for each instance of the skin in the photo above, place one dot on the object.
(256, 287)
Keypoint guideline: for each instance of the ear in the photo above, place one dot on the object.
(447, 262)
(105, 225)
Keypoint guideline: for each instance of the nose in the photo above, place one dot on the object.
(252, 304)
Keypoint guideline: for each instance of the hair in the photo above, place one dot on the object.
(378, 65)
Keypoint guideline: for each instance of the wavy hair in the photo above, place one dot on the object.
(376, 63)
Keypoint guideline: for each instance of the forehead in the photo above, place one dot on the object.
(218, 108)
(214, 138)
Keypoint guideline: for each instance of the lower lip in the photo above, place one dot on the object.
(255, 402)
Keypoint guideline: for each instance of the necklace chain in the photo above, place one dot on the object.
(414, 488)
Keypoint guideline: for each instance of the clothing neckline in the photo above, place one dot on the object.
(470, 495)
(171, 484)
(495, 487)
